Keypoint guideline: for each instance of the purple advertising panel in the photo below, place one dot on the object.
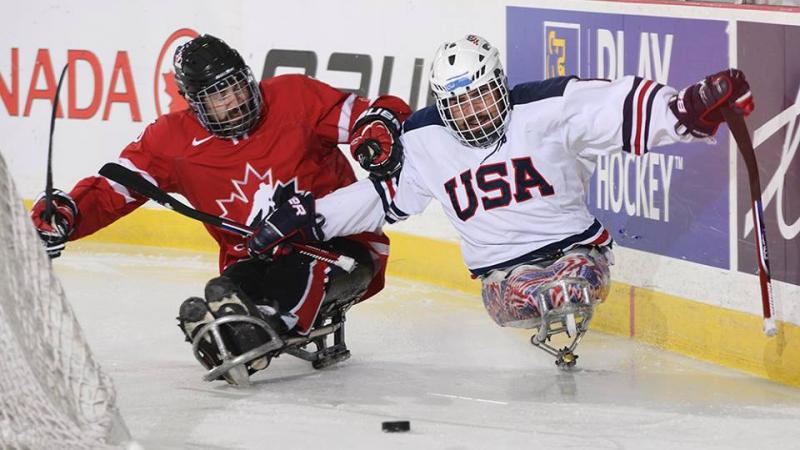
(673, 201)
(767, 53)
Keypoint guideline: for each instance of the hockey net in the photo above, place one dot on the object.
(53, 394)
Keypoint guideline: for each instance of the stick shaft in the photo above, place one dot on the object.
(742, 137)
(48, 188)
(137, 183)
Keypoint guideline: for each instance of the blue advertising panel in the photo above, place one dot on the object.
(674, 200)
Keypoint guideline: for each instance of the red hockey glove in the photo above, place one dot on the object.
(293, 221)
(698, 106)
(375, 142)
(55, 232)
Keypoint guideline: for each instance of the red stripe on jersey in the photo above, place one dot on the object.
(639, 116)
(600, 239)
(308, 307)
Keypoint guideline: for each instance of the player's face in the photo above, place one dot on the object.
(478, 118)
(231, 107)
(476, 110)
(227, 104)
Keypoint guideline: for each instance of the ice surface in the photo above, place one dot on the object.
(420, 353)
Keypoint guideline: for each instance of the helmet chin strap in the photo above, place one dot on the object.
(499, 144)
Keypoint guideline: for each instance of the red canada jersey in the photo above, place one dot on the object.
(292, 149)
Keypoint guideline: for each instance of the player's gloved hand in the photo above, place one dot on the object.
(698, 106)
(375, 142)
(56, 231)
(293, 221)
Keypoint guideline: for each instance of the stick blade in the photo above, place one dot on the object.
(770, 328)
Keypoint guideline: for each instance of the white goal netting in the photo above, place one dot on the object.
(53, 394)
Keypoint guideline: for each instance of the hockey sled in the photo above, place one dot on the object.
(234, 368)
(572, 318)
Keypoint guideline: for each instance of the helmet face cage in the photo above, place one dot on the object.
(479, 117)
(230, 107)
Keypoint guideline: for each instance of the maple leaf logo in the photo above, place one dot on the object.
(268, 198)
(256, 195)
(176, 102)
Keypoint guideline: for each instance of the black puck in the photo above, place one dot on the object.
(396, 426)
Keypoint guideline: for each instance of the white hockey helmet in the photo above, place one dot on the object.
(471, 91)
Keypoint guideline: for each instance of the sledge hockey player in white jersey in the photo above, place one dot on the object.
(511, 170)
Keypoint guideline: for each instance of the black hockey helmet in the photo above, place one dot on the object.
(219, 86)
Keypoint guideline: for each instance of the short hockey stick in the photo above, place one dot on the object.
(137, 183)
(48, 188)
(742, 136)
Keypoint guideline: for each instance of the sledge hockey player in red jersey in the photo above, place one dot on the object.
(511, 168)
(246, 151)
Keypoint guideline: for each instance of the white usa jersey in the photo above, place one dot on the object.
(526, 197)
